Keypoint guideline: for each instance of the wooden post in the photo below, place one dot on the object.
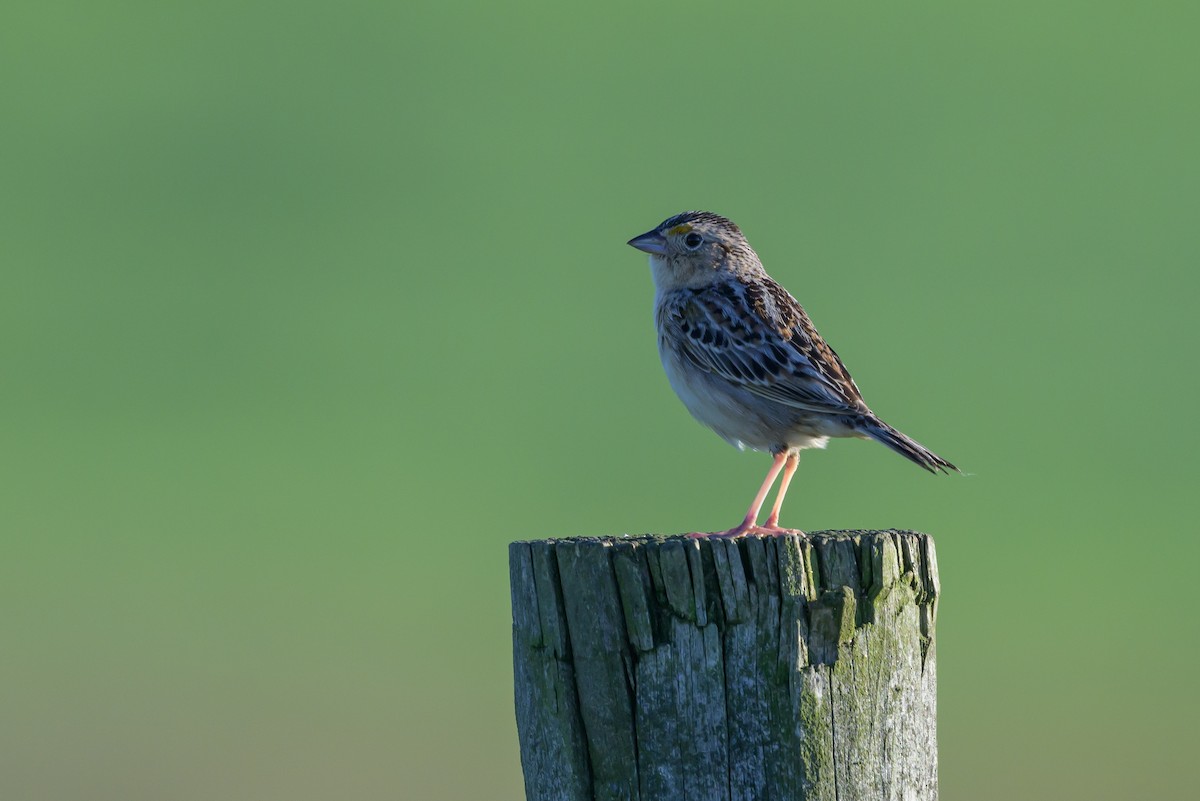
(674, 669)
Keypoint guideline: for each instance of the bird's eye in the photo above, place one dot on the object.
(693, 240)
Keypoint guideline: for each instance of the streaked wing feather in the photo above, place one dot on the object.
(757, 336)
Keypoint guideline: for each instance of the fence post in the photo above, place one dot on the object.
(801, 666)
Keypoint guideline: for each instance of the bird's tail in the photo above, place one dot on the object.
(880, 431)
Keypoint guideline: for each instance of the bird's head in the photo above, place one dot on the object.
(694, 249)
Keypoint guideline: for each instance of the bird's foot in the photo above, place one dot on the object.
(746, 531)
(772, 528)
(775, 531)
(748, 526)
(744, 528)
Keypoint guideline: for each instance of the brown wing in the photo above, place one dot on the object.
(756, 336)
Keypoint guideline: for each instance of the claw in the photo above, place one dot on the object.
(737, 531)
(776, 531)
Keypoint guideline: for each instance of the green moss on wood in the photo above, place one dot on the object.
(798, 666)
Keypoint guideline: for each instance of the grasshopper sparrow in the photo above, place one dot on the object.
(745, 359)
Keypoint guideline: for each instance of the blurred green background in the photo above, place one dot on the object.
(307, 310)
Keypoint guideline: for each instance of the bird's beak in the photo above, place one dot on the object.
(650, 242)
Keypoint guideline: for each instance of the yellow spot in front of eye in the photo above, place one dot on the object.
(680, 229)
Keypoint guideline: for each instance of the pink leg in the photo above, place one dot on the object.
(751, 518)
(790, 470)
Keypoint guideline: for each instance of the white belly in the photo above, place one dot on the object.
(743, 418)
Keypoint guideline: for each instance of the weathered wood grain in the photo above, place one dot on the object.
(794, 667)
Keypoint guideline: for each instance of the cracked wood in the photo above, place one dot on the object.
(794, 667)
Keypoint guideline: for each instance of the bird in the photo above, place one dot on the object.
(747, 362)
